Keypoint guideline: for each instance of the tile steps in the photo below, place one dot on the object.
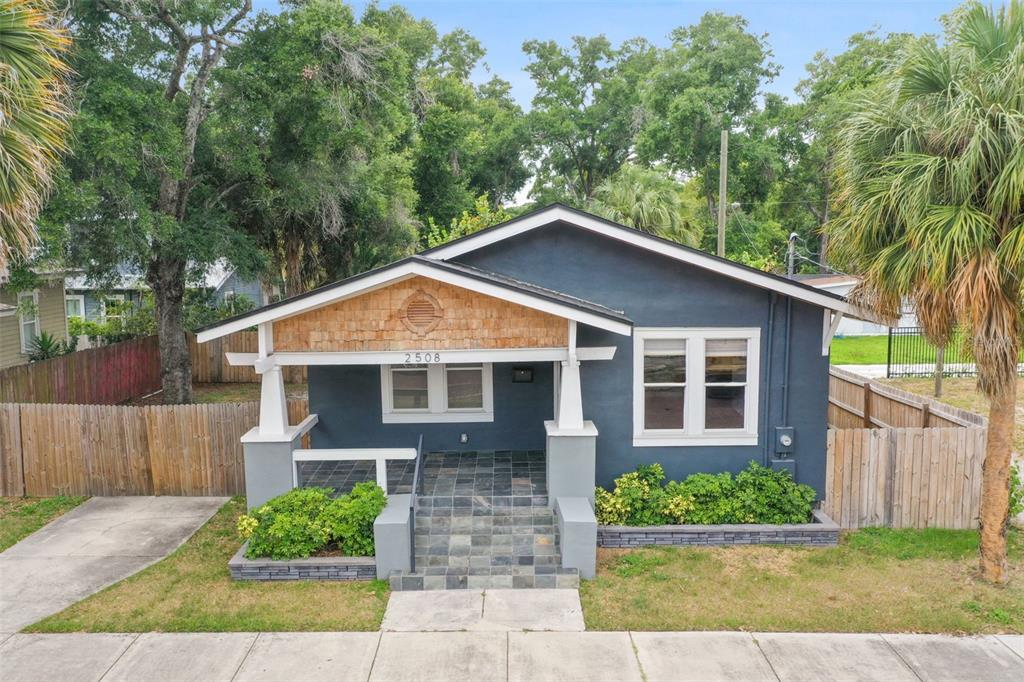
(485, 541)
(562, 578)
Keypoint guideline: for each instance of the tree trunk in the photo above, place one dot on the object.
(292, 265)
(166, 277)
(995, 485)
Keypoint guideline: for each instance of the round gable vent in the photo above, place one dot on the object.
(421, 313)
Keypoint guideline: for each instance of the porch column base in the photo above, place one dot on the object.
(571, 461)
(268, 467)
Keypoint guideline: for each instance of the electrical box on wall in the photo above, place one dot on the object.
(784, 465)
(785, 440)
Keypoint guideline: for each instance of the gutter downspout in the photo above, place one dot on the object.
(766, 419)
(785, 363)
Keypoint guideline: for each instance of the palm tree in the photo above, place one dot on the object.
(650, 201)
(34, 115)
(930, 175)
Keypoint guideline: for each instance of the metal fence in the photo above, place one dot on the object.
(910, 354)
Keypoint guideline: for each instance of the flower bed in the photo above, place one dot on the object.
(310, 568)
(821, 532)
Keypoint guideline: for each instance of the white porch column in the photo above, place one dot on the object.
(570, 395)
(273, 403)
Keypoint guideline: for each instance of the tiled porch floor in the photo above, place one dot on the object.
(482, 518)
(491, 474)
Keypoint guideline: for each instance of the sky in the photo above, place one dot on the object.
(796, 30)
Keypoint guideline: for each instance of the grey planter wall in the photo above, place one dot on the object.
(823, 532)
(313, 568)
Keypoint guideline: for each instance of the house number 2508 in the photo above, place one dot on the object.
(419, 358)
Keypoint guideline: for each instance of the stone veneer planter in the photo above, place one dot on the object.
(822, 532)
(313, 568)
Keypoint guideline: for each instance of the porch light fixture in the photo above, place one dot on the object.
(522, 375)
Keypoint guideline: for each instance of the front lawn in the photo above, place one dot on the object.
(877, 580)
(192, 591)
(22, 516)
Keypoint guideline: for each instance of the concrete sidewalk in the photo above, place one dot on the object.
(509, 656)
(100, 542)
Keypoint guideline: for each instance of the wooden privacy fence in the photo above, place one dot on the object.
(904, 478)
(123, 371)
(107, 375)
(50, 450)
(855, 401)
(209, 365)
(898, 459)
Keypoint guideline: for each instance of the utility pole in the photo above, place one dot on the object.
(723, 172)
(791, 255)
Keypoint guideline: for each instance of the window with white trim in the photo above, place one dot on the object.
(28, 318)
(457, 392)
(695, 386)
(112, 307)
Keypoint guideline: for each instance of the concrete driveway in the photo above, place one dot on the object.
(94, 545)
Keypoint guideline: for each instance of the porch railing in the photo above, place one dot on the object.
(379, 456)
(412, 503)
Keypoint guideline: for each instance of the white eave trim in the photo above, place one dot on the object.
(402, 357)
(643, 241)
(404, 271)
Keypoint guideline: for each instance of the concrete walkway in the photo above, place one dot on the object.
(98, 543)
(509, 657)
(484, 611)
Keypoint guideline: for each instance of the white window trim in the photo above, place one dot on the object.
(437, 399)
(34, 295)
(103, 306)
(81, 303)
(693, 432)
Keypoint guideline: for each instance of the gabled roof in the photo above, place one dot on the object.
(588, 221)
(457, 274)
(130, 277)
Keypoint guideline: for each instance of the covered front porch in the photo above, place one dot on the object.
(482, 372)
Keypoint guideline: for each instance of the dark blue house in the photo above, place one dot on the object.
(594, 345)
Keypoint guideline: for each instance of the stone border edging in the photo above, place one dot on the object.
(311, 568)
(822, 532)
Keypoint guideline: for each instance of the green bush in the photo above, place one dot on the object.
(304, 521)
(1016, 491)
(349, 519)
(755, 495)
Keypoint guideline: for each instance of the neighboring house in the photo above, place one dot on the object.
(558, 332)
(90, 300)
(842, 285)
(26, 314)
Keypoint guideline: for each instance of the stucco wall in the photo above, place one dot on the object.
(51, 320)
(656, 291)
(347, 400)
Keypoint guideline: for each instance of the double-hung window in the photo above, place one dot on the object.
(695, 386)
(28, 318)
(458, 392)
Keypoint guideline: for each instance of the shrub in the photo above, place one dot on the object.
(290, 526)
(756, 495)
(349, 519)
(305, 520)
(1016, 491)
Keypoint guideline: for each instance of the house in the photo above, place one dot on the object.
(27, 313)
(543, 356)
(842, 285)
(91, 300)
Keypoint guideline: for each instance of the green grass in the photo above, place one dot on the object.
(192, 591)
(877, 580)
(22, 516)
(860, 350)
